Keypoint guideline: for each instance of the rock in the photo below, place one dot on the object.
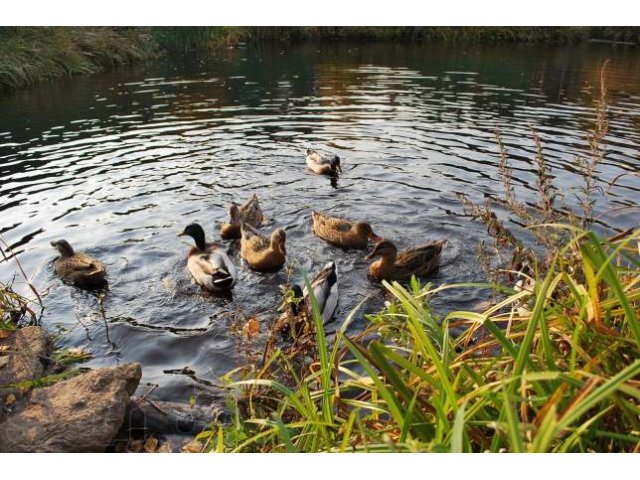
(162, 418)
(28, 349)
(81, 414)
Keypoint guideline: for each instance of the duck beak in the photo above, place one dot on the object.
(374, 238)
(183, 234)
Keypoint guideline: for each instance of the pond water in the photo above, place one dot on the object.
(118, 163)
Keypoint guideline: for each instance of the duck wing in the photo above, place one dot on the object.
(323, 223)
(85, 263)
(423, 258)
(213, 270)
(325, 291)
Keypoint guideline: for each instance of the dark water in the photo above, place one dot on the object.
(118, 163)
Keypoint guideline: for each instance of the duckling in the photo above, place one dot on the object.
(392, 265)
(250, 213)
(325, 291)
(260, 253)
(78, 268)
(208, 264)
(341, 232)
(323, 164)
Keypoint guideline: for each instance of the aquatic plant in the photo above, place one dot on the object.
(554, 367)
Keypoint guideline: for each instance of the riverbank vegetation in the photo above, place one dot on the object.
(30, 55)
(551, 363)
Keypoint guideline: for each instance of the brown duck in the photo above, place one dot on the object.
(323, 164)
(341, 232)
(261, 253)
(250, 213)
(394, 265)
(78, 268)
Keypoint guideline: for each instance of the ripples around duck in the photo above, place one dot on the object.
(118, 163)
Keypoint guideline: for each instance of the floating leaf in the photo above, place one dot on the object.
(251, 328)
(193, 446)
(151, 445)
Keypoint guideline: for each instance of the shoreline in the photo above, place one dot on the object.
(32, 55)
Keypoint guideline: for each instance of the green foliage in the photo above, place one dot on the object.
(34, 54)
(14, 308)
(563, 378)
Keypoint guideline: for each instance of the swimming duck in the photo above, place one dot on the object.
(208, 264)
(261, 253)
(325, 291)
(341, 232)
(250, 213)
(78, 268)
(323, 164)
(392, 265)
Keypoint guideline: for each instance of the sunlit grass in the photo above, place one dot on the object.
(563, 377)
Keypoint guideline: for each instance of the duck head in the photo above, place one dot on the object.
(384, 248)
(196, 232)
(63, 247)
(364, 229)
(335, 164)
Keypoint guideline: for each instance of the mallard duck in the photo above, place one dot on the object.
(208, 264)
(392, 265)
(325, 291)
(261, 253)
(249, 213)
(78, 268)
(341, 232)
(323, 164)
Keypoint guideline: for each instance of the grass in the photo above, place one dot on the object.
(554, 368)
(34, 54)
(552, 364)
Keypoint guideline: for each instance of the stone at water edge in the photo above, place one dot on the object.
(81, 414)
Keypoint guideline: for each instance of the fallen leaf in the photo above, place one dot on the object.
(10, 400)
(4, 348)
(251, 328)
(151, 445)
(193, 446)
(3, 361)
(165, 448)
(5, 333)
(135, 446)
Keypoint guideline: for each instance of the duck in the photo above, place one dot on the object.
(341, 232)
(250, 213)
(262, 254)
(394, 265)
(208, 263)
(325, 290)
(77, 268)
(323, 164)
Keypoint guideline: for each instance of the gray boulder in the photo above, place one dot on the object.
(81, 414)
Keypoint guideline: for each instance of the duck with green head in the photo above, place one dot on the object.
(208, 264)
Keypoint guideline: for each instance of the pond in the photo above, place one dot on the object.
(118, 163)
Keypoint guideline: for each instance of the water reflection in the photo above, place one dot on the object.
(118, 163)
